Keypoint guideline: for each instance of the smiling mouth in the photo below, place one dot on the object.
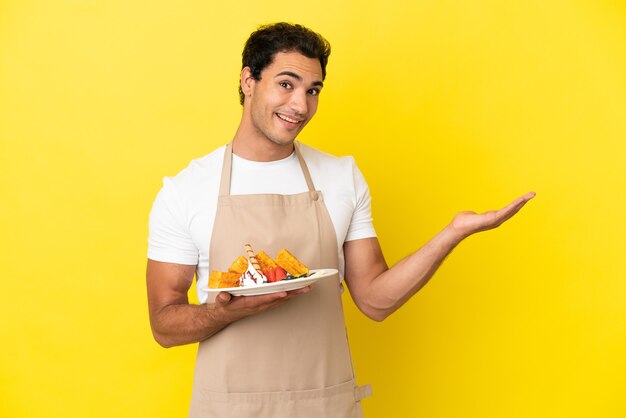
(288, 119)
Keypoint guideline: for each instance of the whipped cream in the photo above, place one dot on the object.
(251, 277)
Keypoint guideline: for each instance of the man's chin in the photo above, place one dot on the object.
(282, 142)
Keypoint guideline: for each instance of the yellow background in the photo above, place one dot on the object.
(446, 105)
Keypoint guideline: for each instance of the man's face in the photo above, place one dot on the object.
(285, 98)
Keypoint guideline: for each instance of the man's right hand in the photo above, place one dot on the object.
(231, 308)
(175, 321)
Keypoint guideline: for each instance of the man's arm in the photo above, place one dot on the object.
(378, 291)
(175, 321)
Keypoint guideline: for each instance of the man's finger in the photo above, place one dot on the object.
(305, 289)
(513, 207)
(223, 298)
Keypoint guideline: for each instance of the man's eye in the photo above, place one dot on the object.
(284, 84)
(314, 92)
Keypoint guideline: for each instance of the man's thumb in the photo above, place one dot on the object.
(223, 298)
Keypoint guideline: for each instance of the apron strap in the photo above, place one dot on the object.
(226, 170)
(305, 169)
(228, 164)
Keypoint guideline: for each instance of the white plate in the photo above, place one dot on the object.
(280, 286)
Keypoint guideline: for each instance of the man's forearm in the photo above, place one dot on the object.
(185, 324)
(182, 323)
(394, 287)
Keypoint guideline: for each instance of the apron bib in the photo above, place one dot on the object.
(291, 361)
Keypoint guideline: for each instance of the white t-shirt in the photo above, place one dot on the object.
(181, 220)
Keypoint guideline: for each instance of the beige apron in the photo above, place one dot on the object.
(292, 361)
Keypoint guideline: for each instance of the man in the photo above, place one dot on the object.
(283, 354)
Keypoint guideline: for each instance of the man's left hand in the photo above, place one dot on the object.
(467, 223)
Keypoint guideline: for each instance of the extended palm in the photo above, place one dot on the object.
(468, 222)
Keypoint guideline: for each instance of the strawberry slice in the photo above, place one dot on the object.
(279, 274)
(270, 274)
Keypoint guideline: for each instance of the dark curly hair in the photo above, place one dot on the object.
(267, 40)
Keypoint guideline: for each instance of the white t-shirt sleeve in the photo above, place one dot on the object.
(169, 238)
(361, 225)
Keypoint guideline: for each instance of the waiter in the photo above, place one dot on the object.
(283, 354)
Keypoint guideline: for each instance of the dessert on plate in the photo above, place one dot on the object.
(258, 269)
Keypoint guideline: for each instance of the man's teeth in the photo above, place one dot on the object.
(285, 118)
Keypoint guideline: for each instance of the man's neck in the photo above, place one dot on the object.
(250, 146)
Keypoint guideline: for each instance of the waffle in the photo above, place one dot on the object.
(291, 264)
(240, 265)
(265, 261)
(219, 279)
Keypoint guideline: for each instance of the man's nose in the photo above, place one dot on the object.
(298, 102)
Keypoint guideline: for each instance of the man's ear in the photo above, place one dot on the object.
(246, 81)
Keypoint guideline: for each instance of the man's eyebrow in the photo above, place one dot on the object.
(297, 77)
